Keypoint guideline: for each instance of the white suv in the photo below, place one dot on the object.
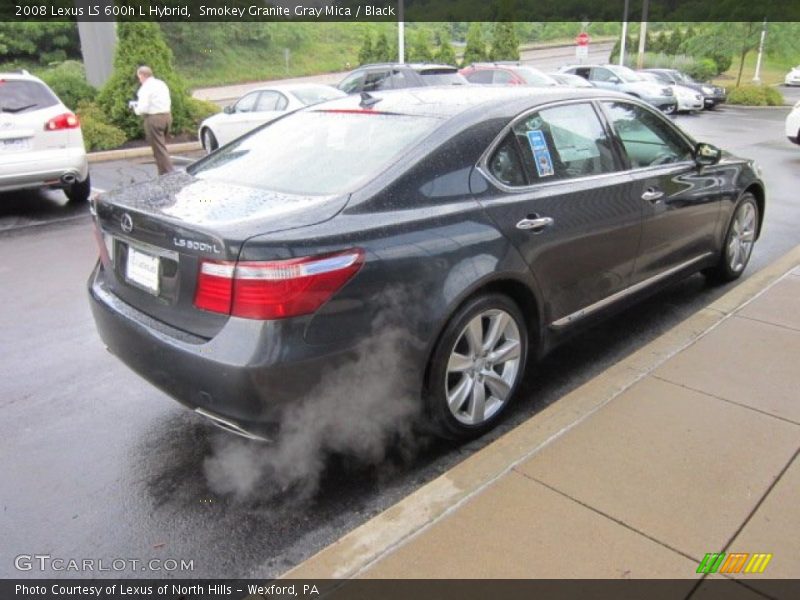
(41, 144)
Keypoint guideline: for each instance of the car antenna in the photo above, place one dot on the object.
(368, 101)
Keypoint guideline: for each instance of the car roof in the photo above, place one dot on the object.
(448, 101)
(414, 66)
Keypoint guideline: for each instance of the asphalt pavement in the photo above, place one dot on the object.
(95, 463)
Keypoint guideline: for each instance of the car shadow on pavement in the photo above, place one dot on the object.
(36, 207)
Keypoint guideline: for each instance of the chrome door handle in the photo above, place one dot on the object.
(652, 195)
(536, 225)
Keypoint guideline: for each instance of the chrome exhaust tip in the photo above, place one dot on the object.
(69, 178)
(231, 426)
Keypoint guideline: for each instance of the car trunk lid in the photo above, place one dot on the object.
(155, 235)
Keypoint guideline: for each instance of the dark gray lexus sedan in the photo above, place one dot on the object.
(486, 224)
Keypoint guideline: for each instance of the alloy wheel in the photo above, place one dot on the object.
(483, 367)
(742, 237)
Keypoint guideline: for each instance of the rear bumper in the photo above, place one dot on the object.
(42, 168)
(249, 373)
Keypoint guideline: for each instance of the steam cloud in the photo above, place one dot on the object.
(359, 410)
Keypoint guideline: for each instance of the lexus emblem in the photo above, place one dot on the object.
(126, 223)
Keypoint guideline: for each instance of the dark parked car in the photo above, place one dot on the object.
(496, 221)
(394, 76)
(507, 74)
(712, 94)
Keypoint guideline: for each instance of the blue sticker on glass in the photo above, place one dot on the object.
(541, 153)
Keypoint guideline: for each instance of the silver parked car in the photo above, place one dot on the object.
(41, 144)
(623, 79)
(258, 107)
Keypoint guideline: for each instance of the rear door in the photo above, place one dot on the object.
(559, 193)
(681, 203)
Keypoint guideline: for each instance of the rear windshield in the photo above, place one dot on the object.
(316, 152)
(310, 96)
(442, 77)
(19, 96)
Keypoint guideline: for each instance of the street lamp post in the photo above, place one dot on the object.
(623, 42)
(401, 33)
(757, 76)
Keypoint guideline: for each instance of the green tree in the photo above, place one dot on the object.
(445, 53)
(660, 43)
(475, 50)
(505, 45)
(141, 43)
(674, 43)
(43, 42)
(420, 50)
(381, 52)
(741, 38)
(366, 53)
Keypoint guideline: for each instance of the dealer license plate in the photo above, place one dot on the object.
(142, 270)
(15, 145)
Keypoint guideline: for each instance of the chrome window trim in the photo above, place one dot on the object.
(608, 300)
(483, 162)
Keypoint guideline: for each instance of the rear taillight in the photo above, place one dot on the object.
(65, 121)
(274, 289)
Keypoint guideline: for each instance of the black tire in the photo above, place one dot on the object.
(79, 192)
(504, 373)
(208, 140)
(728, 269)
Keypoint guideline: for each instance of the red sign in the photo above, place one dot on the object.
(582, 39)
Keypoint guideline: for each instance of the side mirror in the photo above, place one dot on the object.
(615, 80)
(228, 110)
(706, 154)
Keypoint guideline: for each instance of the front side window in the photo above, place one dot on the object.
(247, 103)
(552, 144)
(603, 75)
(647, 139)
(378, 80)
(352, 83)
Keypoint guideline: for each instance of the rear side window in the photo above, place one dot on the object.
(20, 96)
(442, 77)
(648, 140)
(481, 76)
(316, 152)
(556, 143)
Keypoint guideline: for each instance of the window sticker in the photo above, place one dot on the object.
(541, 153)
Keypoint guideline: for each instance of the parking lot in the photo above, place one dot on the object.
(105, 466)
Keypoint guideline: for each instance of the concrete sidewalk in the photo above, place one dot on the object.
(688, 446)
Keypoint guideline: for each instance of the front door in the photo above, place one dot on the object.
(681, 203)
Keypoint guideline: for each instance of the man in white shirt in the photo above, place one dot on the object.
(154, 104)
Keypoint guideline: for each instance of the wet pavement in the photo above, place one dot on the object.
(96, 463)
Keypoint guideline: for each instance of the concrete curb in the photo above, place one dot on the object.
(365, 545)
(107, 155)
